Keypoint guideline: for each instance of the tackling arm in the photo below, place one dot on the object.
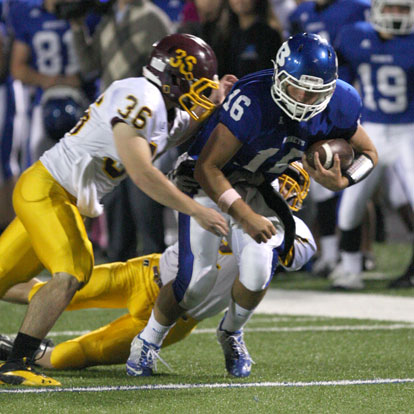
(135, 154)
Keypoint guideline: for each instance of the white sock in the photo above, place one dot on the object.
(329, 248)
(351, 262)
(154, 332)
(236, 317)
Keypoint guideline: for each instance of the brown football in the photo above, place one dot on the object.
(327, 149)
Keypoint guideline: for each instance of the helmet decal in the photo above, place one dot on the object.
(282, 54)
(184, 63)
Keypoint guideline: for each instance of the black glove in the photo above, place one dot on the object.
(183, 175)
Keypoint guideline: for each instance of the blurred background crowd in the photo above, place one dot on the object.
(58, 56)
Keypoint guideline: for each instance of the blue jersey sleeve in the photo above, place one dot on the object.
(345, 110)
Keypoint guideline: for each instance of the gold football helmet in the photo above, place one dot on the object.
(294, 185)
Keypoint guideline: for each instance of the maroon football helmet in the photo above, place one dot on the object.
(184, 67)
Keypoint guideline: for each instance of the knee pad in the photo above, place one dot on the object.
(256, 267)
(68, 355)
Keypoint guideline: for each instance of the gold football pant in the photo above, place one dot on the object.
(47, 232)
(132, 285)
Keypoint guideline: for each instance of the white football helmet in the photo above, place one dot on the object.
(393, 23)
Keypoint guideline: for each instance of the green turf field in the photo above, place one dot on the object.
(304, 364)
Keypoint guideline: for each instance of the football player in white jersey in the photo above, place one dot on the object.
(128, 126)
(380, 56)
(135, 284)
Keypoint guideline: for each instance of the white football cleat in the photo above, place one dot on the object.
(348, 281)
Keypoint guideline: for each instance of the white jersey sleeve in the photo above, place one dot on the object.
(178, 128)
(85, 161)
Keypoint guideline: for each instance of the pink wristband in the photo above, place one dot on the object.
(227, 199)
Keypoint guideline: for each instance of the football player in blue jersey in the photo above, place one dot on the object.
(326, 17)
(42, 56)
(268, 120)
(380, 56)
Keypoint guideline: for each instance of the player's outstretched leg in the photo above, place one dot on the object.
(237, 357)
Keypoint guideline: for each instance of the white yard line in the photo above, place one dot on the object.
(210, 386)
(339, 305)
(305, 328)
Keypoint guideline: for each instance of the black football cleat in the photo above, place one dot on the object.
(6, 346)
(404, 281)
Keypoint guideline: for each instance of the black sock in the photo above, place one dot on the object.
(24, 346)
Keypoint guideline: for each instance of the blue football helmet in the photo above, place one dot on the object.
(62, 106)
(309, 63)
(393, 22)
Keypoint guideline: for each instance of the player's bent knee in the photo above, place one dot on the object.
(68, 355)
(256, 268)
(69, 282)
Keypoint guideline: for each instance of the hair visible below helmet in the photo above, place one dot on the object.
(294, 185)
(393, 23)
(62, 106)
(184, 67)
(308, 62)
